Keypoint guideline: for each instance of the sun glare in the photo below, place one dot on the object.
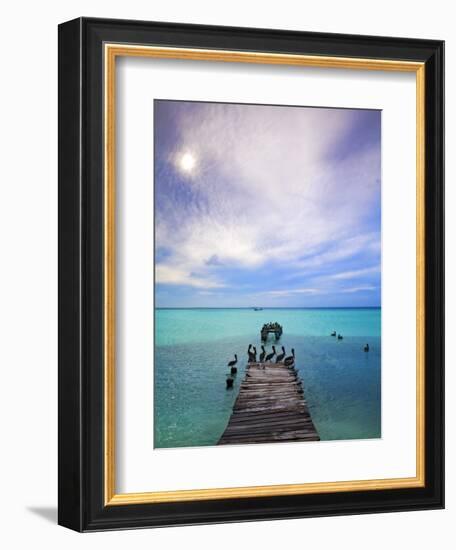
(187, 162)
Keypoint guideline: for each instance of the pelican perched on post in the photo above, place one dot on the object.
(251, 354)
(366, 347)
(232, 364)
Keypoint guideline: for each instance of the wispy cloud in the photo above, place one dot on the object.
(355, 274)
(359, 289)
(290, 292)
(166, 274)
(273, 190)
(337, 251)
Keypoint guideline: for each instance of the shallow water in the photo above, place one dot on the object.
(342, 383)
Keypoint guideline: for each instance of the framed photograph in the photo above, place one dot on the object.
(251, 313)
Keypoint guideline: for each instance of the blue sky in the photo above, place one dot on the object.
(266, 206)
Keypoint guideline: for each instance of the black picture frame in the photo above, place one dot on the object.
(81, 399)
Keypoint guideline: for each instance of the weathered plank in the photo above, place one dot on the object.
(270, 407)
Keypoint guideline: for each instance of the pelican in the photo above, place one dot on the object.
(281, 356)
(366, 347)
(254, 354)
(289, 361)
(262, 354)
(251, 355)
(270, 355)
(232, 363)
(340, 337)
(333, 333)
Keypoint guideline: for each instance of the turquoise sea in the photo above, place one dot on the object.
(342, 383)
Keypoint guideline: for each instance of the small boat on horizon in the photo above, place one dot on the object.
(257, 309)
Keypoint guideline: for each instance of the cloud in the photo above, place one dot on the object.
(213, 260)
(359, 289)
(335, 250)
(290, 292)
(166, 274)
(356, 273)
(272, 188)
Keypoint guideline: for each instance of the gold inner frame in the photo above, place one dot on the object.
(111, 52)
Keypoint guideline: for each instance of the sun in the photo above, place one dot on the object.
(187, 162)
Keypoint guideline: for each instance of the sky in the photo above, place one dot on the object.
(266, 206)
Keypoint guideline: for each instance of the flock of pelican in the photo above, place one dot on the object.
(268, 358)
(263, 359)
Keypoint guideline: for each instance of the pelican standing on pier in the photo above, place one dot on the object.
(289, 361)
(281, 356)
(270, 355)
(251, 354)
(262, 354)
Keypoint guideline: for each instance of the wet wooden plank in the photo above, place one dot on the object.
(270, 407)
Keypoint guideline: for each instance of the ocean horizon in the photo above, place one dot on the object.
(270, 307)
(342, 383)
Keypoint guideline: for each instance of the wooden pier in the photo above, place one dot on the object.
(270, 407)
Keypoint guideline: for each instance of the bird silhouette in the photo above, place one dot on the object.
(262, 354)
(232, 363)
(270, 355)
(281, 356)
(289, 361)
(251, 354)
